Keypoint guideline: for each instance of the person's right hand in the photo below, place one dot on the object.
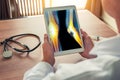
(88, 45)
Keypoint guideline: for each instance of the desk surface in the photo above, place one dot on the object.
(14, 68)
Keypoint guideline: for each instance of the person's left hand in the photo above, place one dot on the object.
(48, 52)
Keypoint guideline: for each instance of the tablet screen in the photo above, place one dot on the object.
(63, 29)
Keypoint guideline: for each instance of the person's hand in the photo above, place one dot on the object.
(88, 45)
(48, 52)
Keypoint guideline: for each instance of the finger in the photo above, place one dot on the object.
(81, 30)
(84, 34)
(45, 37)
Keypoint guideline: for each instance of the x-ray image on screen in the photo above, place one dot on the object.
(63, 29)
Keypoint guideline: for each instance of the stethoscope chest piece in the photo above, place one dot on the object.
(7, 54)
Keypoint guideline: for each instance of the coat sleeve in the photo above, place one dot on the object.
(38, 72)
(102, 68)
(108, 46)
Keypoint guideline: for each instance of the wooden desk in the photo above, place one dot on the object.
(14, 68)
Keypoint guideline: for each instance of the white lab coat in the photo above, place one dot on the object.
(105, 67)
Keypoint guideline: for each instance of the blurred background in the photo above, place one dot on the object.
(11, 9)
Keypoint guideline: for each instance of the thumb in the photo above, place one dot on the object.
(45, 38)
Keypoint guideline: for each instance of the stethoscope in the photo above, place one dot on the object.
(13, 39)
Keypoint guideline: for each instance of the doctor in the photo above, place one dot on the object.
(104, 66)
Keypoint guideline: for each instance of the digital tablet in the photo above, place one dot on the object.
(63, 30)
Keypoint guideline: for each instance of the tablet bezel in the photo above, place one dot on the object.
(71, 51)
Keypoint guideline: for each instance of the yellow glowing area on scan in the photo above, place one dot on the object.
(72, 29)
(53, 29)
